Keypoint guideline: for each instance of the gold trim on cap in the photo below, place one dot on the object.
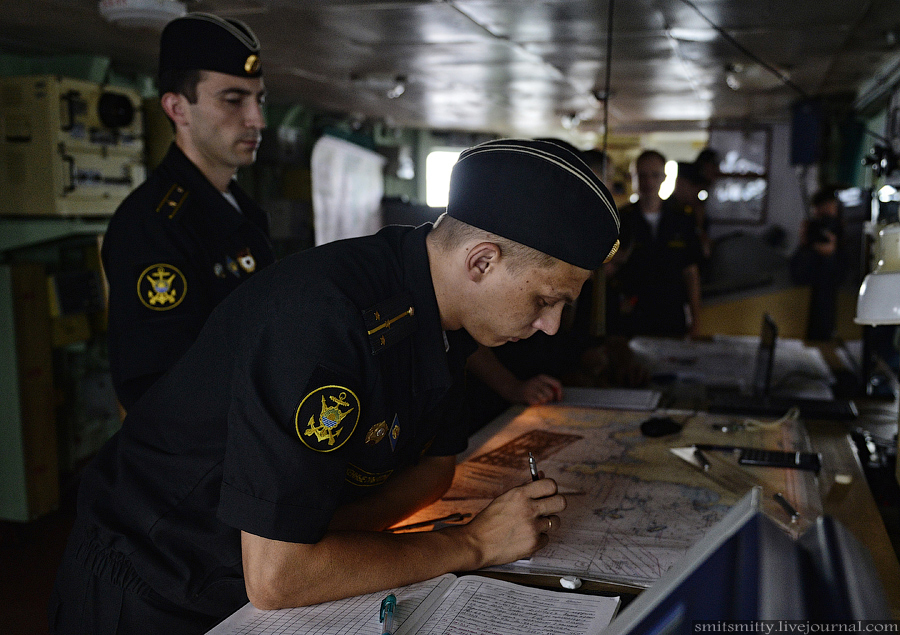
(612, 252)
(252, 64)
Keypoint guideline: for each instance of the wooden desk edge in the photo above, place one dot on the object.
(853, 505)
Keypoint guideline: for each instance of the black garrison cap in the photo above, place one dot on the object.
(201, 41)
(539, 194)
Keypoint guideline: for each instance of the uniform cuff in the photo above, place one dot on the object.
(263, 518)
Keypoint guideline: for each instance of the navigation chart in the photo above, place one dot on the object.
(633, 508)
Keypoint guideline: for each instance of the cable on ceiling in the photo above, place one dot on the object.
(743, 49)
(606, 87)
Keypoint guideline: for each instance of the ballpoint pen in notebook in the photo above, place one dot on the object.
(386, 616)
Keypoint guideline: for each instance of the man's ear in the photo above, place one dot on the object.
(175, 106)
(481, 259)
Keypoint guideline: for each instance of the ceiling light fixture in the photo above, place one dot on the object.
(398, 88)
(141, 13)
(753, 77)
(390, 85)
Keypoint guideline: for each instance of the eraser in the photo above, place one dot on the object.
(570, 582)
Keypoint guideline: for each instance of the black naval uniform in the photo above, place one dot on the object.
(647, 296)
(174, 249)
(309, 386)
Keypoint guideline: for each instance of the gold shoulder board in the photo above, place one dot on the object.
(389, 321)
(172, 201)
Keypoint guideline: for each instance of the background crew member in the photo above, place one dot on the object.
(653, 282)
(689, 183)
(322, 403)
(821, 262)
(188, 236)
(705, 172)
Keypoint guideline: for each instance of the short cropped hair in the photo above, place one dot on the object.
(450, 233)
(650, 154)
(181, 82)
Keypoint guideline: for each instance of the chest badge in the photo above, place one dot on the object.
(161, 287)
(331, 414)
(246, 260)
(376, 433)
(232, 266)
(394, 433)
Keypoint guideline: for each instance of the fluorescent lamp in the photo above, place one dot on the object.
(141, 13)
(879, 294)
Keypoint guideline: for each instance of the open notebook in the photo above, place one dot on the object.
(444, 605)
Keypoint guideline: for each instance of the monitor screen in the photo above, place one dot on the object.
(765, 356)
(748, 568)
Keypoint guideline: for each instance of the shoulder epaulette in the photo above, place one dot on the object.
(389, 321)
(172, 201)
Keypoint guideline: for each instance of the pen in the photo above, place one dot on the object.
(388, 605)
(533, 465)
(723, 448)
(451, 518)
(701, 458)
(786, 506)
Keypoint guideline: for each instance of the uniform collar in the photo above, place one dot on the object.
(431, 353)
(215, 208)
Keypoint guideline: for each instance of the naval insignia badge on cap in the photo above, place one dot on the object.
(252, 64)
(202, 41)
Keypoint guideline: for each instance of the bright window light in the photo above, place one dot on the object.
(438, 165)
(887, 194)
(668, 186)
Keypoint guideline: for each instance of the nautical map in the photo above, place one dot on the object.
(633, 507)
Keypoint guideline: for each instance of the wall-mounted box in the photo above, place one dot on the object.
(68, 147)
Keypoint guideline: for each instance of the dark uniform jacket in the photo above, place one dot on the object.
(647, 296)
(173, 250)
(309, 386)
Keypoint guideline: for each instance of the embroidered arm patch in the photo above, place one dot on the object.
(161, 287)
(328, 414)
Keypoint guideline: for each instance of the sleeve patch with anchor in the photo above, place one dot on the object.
(161, 287)
(327, 417)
